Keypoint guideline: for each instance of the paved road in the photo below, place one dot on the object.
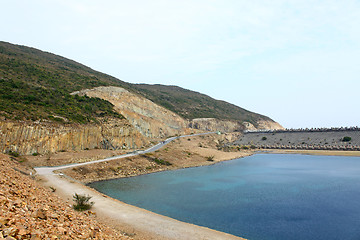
(50, 170)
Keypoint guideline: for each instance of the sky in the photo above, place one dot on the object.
(296, 61)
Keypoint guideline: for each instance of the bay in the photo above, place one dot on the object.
(264, 196)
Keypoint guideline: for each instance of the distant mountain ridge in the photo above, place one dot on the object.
(37, 85)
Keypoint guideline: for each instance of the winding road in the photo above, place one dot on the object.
(50, 170)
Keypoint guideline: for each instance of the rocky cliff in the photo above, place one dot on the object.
(44, 137)
(212, 124)
(150, 119)
(263, 125)
(154, 121)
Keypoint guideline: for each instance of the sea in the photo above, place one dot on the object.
(260, 197)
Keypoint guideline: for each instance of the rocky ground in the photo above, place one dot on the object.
(181, 153)
(30, 211)
(62, 158)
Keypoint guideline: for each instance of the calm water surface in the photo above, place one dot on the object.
(265, 196)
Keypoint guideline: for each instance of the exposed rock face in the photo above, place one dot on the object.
(263, 125)
(30, 137)
(148, 118)
(212, 124)
(269, 125)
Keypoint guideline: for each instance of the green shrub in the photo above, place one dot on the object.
(263, 138)
(346, 139)
(35, 154)
(210, 158)
(82, 202)
(162, 162)
(14, 154)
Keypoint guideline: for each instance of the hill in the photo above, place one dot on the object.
(191, 105)
(37, 85)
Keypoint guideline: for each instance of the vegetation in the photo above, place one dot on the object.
(37, 85)
(156, 160)
(82, 202)
(162, 162)
(210, 158)
(346, 139)
(263, 138)
(14, 154)
(22, 101)
(190, 104)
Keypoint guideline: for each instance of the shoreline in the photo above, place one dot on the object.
(139, 223)
(136, 222)
(247, 154)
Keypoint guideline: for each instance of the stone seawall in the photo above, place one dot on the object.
(317, 140)
(28, 137)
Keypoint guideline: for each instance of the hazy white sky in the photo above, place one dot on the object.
(296, 61)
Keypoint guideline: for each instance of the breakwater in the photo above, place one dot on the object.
(347, 139)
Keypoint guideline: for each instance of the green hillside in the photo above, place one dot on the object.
(37, 85)
(190, 104)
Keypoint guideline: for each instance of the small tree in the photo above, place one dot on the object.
(263, 138)
(82, 202)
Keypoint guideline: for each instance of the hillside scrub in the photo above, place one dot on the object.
(22, 101)
(82, 202)
(37, 85)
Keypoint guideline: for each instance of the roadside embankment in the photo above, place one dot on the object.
(184, 152)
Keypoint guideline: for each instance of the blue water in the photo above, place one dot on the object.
(265, 196)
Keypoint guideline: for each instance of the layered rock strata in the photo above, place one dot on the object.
(44, 137)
